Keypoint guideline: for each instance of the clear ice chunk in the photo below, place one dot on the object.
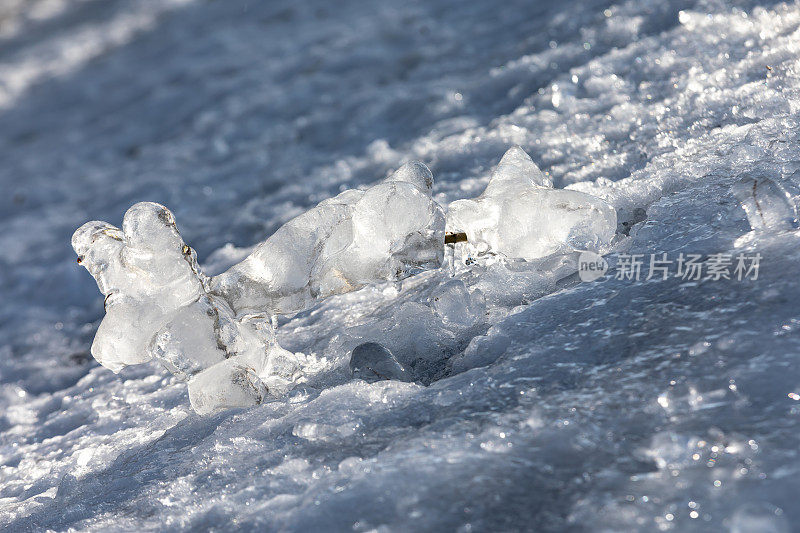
(188, 342)
(157, 306)
(454, 304)
(520, 215)
(631, 197)
(226, 385)
(767, 204)
(217, 334)
(372, 362)
(385, 233)
(146, 273)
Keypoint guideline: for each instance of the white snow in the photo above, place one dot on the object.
(535, 401)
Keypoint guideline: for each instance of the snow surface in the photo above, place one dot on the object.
(617, 405)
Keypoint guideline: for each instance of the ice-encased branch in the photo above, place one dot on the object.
(217, 333)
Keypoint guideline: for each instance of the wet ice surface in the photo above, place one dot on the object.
(665, 404)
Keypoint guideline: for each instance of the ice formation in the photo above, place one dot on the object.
(148, 276)
(385, 233)
(421, 329)
(456, 305)
(218, 333)
(157, 307)
(768, 205)
(521, 215)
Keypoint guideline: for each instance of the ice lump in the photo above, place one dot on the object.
(147, 274)
(520, 215)
(158, 307)
(385, 233)
(767, 204)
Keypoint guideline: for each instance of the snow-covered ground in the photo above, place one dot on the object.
(612, 405)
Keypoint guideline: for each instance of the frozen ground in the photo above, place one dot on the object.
(618, 405)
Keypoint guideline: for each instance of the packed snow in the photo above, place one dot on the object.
(346, 369)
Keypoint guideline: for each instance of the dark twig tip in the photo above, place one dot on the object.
(452, 238)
